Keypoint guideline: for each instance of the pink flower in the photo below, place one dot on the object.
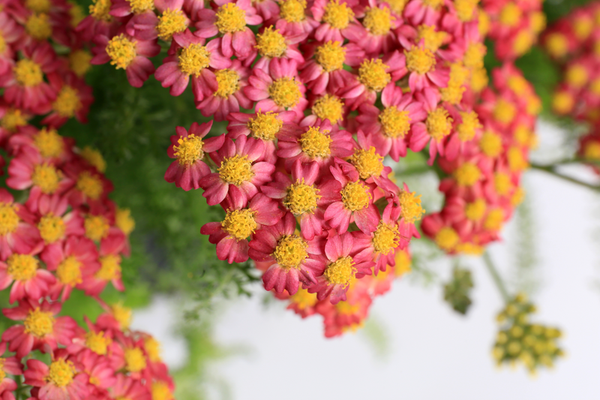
(376, 34)
(17, 232)
(293, 21)
(9, 366)
(425, 69)
(30, 281)
(272, 44)
(98, 22)
(421, 12)
(369, 164)
(73, 99)
(231, 235)
(239, 166)
(128, 388)
(53, 221)
(11, 32)
(188, 148)
(139, 19)
(60, 380)
(336, 20)
(99, 372)
(296, 260)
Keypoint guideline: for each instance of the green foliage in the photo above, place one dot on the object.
(457, 292)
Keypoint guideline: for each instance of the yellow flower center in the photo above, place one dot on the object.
(22, 267)
(96, 227)
(140, 6)
(494, 220)
(419, 60)
(475, 211)
(52, 228)
(172, 22)
(446, 238)
(386, 238)
(239, 224)
(473, 57)
(505, 111)
(516, 160)
(465, 9)
(228, 83)
(90, 185)
(28, 73)
(518, 84)
(38, 6)
(230, 19)
(290, 251)
(523, 42)
(121, 51)
(490, 144)
(467, 174)
(329, 107)
(161, 391)
(403, 262)
(110, 267)
(356, 196)
(395, 123)
(193, 59)
(411, 207)
(469, 125)
(315, 143)
(453, 93)
(479, 79)
(124, 220)
(301, 198)
(458, 73)
(397, 6)
(510, 15)
(367, 162)
(13, 119)
(432, 40)
(438, 123)
(46, 177)
(67, 102)
(538, 22)
(271, 43)
(303, 300)
(49, 142)
(502, 183)
(563, 102)
(76, 14)
(340, 272)
(433, 3)
(122, 315)
(69, 271)
(371, 73)
(236, 170)
(292, 10)
(557, 44)
(189, 150)
(337, 15)
(591, 151)
(285, 92)
(97, 342)
(2, 373)
(345, 308)
(577, 76)
(152, 347)
(134, 359)
(265, 126)
(39, 323)
(100, 9)
(94, 157)
(38, 26)
(61, 373)
(79, 62)
(9, 220)
(378, 20)
(330, 56)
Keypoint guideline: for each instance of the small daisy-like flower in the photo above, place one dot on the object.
(376, 35)
(17, 232)
(73, 99)
(8, 366)
(270, 44)
(369, 164)
(30, 280)
(98, 22)
(336, 20)
(294, 22)
(423, 11)
(440, 231)
(60, 380)
(139, 17)
(98, 370)
(424, 71)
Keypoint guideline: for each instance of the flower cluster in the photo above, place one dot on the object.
(519, 340)
(514, 25)
(482, 188)
(574, 43)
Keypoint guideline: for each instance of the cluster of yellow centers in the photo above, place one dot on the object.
(473, 57)
(265, 126)
(161, 391)
(94, 158)
(152, 347)
(140, 6)
(228, 81)
(97, 342)
(49, 143)
(510, 15)
(469, 126)
(135, 361)
(340, 272)
(239, 224)
(270, 43)
(330, 56)
(122, 315)
(38, 26)
(236, 170)
(96, 227)
(22, 267)
(67, 102)
(438, 123)
(285, 92)
(100, 9)
(28, 73)
(90, 185)
(293, 11)
(291, 251)
(447, 238)
(386, 238)
(367, 162)
(411, 207)
(505, 111)
(230, 18)
(315, 142)
(356, 196)
(467, 174)
(69, 271)
(432, 40)
(39, 323)
(46, 177)
(170, 23)
(79, 62)
(378, 21)
(465, 9)
(397, 6)
(476, 210)
(188, 150)
(372, 73)
(433, 3)
(110, 267)
(193, 59)
(329, 107)
(303, 299)
(301, 198)
(121, 51)
(9, 220)
(395, 123)
(419, 60)
(61, 373)
(52, 228)
(337, 15)
(13, 119)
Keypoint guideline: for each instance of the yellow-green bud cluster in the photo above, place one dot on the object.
(457, 291)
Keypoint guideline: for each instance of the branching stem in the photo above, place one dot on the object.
(496, 276)
(551, 169)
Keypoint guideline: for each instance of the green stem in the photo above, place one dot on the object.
(551, 169)
(496, 276)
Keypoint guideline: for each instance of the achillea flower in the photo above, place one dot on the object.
(424, 71)
(129, 388)
(10, 32)
(101, 376)
(347, 315)
(440, 231)
(73, 99)
(30, 280)
(8, 366)
(138, 16)
(98, 22)
(369, 164)
(423, 11)
(336, 20)
(231, 235)
(294, 21)
(88, 186)
(296, 260)
(377, 32)
(45, 143)
(240, 166)
(60, 380)
(189, 148)
(17, 232)
(52, 219)
(302, 303)
(272, 44)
